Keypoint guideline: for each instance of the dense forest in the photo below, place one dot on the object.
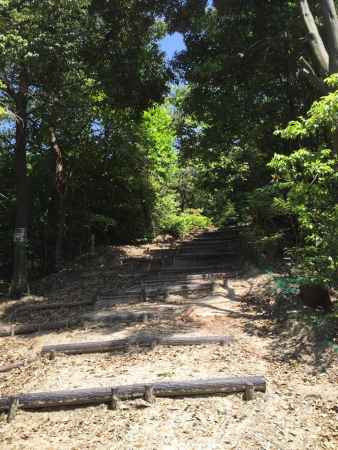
(102, 138)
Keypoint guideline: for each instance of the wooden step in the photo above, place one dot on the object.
(74, 348)
(94, 396)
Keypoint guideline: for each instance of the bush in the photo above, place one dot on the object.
(307, 181)
(189, 221)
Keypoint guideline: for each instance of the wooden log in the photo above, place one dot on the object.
(188, 278)
(142, 341)
(150, 293)
(92, 396)
(99, 320)
(13, 330)
(205, 253)
(42, 307)
(189, 269)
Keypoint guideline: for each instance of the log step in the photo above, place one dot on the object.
(103, 320)
(179, 277)
(159, 289)
(51, 306)
(142, 341)
(189, 269)
(94, 396)
(205, 256)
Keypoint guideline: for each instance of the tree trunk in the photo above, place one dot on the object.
(19, 283)
(316, 42)
(331, 28)
(325, 56)
(59, 199)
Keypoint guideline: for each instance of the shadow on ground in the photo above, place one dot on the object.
(111, 270)
(297, 333)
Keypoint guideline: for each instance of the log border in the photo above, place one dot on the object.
(171, 389)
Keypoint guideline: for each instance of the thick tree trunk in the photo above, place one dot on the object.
(316, 42)
(19, 283)
(331, 28)
(325, 56)
(59, 188)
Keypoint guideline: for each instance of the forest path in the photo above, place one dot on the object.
(193, 288)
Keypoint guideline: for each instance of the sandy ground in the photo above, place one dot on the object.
(298, 411)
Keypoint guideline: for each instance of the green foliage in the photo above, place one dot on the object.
(189, 221)
(92, 70)
(309, 181)
(322, 115)
(156, 143)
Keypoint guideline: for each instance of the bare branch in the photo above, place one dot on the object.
(309, 72)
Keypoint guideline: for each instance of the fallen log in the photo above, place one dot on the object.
(93, 396)
(142, 341)
(13, 329)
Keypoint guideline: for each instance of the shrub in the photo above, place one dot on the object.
(189, 221)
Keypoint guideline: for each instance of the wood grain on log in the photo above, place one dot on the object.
(92, 396)
(142, 341)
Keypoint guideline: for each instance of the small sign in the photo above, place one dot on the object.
(20, 235)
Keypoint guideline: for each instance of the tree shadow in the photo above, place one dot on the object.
(296, 332)
(71, 293)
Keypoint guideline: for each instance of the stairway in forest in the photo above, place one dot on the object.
(156, 284)
(196, 273)
(196, 267)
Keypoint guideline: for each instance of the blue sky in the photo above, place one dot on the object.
(172, 43)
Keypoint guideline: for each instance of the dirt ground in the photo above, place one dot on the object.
(298, 411)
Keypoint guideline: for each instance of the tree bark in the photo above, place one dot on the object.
(57, 399)
(59, 198)
(19, 283)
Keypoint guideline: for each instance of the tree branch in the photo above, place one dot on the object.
(310, 74)
(317, 44)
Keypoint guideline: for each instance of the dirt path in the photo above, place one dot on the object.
(299, 410)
